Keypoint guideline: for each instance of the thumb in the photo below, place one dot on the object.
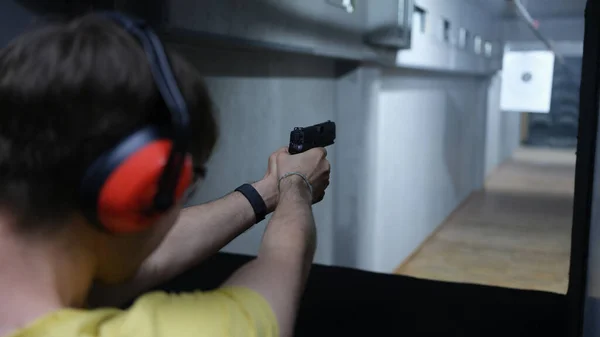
(280, 150)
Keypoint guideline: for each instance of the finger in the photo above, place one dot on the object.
(273, 159)
(321, 194)
(321, 197)
(284, 149)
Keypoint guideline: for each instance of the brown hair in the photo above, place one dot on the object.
(69, 92)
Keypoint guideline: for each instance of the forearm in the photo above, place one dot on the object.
(203, 230)
(291, 233)
(282, 266)
(289, 245)
(200, 232)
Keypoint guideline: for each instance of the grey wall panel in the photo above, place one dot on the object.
(260, 98)
(510, 135)
(493, 136)
(430, 157)
(352, 178)
(350, 115)
(411, 147)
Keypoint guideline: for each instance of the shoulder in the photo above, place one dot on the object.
(225, 311)
(216, 312)
(222, 309)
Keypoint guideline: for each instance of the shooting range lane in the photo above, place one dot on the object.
(515, 233)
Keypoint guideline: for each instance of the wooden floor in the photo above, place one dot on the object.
(516, 233)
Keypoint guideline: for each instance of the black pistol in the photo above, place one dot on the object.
(306, 138)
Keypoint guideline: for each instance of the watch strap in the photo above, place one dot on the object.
(256, 201)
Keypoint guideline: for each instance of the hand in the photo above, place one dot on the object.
(272, 174)
(313, 164)
(267, 186)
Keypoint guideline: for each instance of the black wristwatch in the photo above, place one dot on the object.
(256, 201)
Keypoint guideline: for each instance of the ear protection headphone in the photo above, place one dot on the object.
(127, 188)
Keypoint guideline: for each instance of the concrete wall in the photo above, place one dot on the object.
(352, 178)
(430, 156)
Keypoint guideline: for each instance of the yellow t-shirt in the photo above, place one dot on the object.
(232, 311)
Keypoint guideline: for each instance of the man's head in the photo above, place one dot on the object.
(70, 92)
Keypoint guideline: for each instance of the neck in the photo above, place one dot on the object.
(39, 275)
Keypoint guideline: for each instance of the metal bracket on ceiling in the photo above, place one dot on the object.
(347, 5)
(396, 33)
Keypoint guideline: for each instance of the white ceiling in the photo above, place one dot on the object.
(537, 8)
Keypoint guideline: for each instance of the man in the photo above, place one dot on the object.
(68, 93)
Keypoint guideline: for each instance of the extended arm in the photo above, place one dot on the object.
(280, 270)
(200, 232)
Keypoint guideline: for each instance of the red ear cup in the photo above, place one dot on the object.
(126, 198)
